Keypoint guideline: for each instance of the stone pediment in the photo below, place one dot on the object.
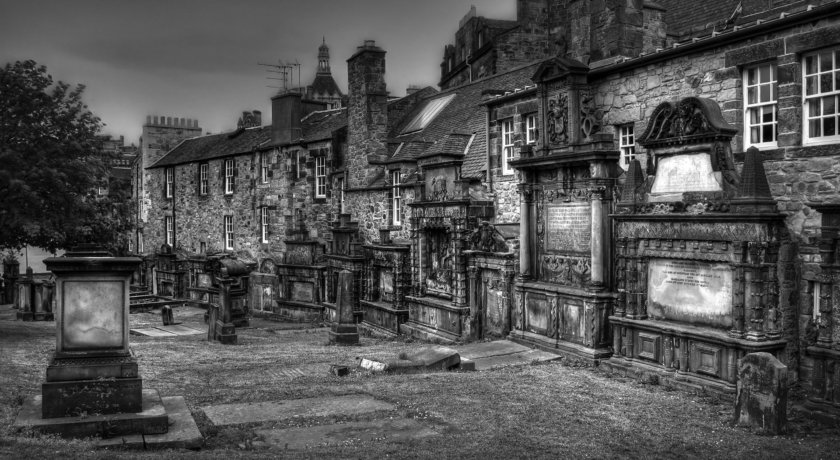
(691, 120)
(558, 67)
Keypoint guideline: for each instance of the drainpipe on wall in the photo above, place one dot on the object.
(487, 146)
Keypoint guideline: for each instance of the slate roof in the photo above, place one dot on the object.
(451, 129)
(319, 126)
(215, 146)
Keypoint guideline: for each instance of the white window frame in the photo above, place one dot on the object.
(228, 229)
(626, 144)
(531, 129)
(820, 97)
(264, 167)
(203, 173)
(507, 145)
(396, 198)
(320, 177)
(169, 228)
(228, 165)
(264, 224)
(763, 105)
(170, 181)
(341, 194)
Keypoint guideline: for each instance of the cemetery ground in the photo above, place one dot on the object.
(537, 410)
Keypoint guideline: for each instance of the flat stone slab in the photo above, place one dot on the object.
(234, 414)
(172, 330)
(183, 432)
(379, 430)
(503, 353)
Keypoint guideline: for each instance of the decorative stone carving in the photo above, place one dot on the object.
(691, 116)
(569, 271)
(487, 239)
(591, 117)
(558, 120)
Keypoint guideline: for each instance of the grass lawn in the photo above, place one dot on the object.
(537, 411)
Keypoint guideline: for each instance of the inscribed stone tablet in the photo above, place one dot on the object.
(303, 292)
(92, 315)
(568, 227)
(690, 291)
(685, 173)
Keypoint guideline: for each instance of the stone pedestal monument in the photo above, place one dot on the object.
(344, 331)
(92, 383)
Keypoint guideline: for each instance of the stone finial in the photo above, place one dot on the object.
(753, 178)
(633, 179)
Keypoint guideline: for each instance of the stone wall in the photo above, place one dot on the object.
(367, 114)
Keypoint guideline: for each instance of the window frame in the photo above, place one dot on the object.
(834, 71)
(626, 144)
(169, 191)
(264, 167)
(772, 104)
(396, 198)
(228, 174)
(203, 178)
(228, 232)
(506, 130)
(321, 176)
(169, 230)
(264, 224)
(340, 184)
(531, 129)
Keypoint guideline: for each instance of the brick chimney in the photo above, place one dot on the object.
(367, 113)
(285, 118)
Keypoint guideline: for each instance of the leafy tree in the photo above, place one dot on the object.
(51, 163)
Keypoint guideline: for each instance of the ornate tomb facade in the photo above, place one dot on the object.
(563, 292)
(701, 252)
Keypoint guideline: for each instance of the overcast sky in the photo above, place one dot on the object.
(198, 58)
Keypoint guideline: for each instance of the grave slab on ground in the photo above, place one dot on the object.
(234, 414)
(502, 353)
(173, 330)
(380, 430)
(183, 432)
(426, 359)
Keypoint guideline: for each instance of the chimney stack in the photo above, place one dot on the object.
(367, 113)
(285, 118)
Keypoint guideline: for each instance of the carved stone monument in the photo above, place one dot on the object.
(92, 383)
(344, 331)
(700, 251)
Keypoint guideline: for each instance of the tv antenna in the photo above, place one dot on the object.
(286, 73)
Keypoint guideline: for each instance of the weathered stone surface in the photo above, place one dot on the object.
(100, 396)
(344, 331)
(399, 430)
(151, 419)
(761, 400)
(501, 353)
(233, 414)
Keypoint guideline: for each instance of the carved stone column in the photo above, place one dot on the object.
(621, 276)
(526, 193)
(598, 245)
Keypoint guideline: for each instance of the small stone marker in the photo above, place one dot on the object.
(166, 315)
(761, 399)
(344, 331)
(427, 359)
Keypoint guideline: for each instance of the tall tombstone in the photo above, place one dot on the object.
(761, 400)
(344, 331)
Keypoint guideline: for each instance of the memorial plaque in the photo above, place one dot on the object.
(685, 173)
(93, 315)
(303, 292)
(690, 291)
(573, 324)
(386, 282)
(568, 227)
(204, 280)
(536, 309)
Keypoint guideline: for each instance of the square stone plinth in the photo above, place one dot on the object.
(152, 419)
(67, 369)
(344, 334)
(97, 396)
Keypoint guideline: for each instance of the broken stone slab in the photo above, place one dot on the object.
(338, 434)
(761, 398)
(427, 359)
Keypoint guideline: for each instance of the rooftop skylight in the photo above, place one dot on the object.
(427, 114)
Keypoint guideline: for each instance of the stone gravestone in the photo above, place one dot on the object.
(761, 399)
(223, 329)
(344, 331)
(166, 315)
(92, 383)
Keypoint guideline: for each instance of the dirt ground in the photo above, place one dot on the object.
(547, 410)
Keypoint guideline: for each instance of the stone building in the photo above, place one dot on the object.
(573, 202)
